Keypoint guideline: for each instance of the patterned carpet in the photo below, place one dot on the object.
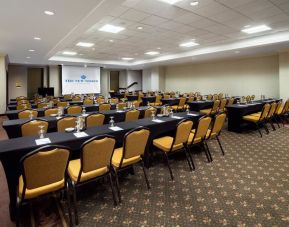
(249, 186)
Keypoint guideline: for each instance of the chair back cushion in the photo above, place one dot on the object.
(31, 128)
(95, 120)
(183, 132)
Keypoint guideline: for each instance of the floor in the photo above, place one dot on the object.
(249, 186)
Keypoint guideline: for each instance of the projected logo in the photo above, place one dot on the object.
(83, 77)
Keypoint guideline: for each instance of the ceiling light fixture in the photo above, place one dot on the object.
(256, 29)
(171, 2)
(127, 59)
(195, 3)
(152, 53)
(37, 38)
(111, 28)
(71, 53)
(31, 50)
(189, 44)
(84, 44)
(49, 13)
(139, 27)
(28, 57)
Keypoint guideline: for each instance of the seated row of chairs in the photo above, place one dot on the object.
(219, 106)
(31, 128)
(186, 137)
(270, 113)
(49, 168)
(100, 159)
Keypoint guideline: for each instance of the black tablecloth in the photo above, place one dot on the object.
(199, 105)
(147, 99)
(12, 150)
(13, 114)
(171, 101)
(132, 97)
(13, 127)
(237, 111)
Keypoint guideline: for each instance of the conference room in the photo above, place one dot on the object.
(144, 113)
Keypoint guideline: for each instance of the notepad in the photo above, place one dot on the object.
(115, 128)
(42, 141)
(158, 121)
(177, 117)
(192, 114)
(84, 115)
(119, 111)
(80, 134)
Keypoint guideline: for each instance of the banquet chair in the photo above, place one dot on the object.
(215, 97)
(23, 101)
(104, 107)
(76, 98)
(169, 145)
(42, 105)
(114, 100)
(136, 104)
(32, 127)
(121, 105)
(167, 96)
(248, 98)
(132, 115)
(26, 113)
(23, 106)
(94, 164)
(100, 100)
(270, 115)
(62, 104)
(88, 102)
(210, 97)
(67, 96)
(259, 119)
(149, 111)
(49, 112)
(74, 110)
(66, 122)
(220, 96)
(282, 112)
(252, 97)
(132, 152)
(213, 110)
(157, 102)
(197, 136)
(181, 105)
(215, 131)
(278, 109)
(94, 120)
(43, 172)
(21, 98)
(222, 106)
(230, 102)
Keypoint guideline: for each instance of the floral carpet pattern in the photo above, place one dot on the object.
(249, 186)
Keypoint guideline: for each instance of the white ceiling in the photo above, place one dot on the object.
(215, 24)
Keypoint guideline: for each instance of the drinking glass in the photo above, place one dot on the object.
(111, 122)
(41, 131)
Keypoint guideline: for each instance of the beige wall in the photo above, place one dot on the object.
(2, 84)
(284, 75)
(259, 75)
(17, 74)
(54, 79)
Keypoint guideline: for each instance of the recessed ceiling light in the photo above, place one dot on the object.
(195, 3)
(85, 66)
(84, 44)
(37, 38)
(237, 52)
(189, 44)
(31, 50)
(28, 57)
(159, 48)
(256, 29)
(111, 40)
(247, 26)
(111, 28)
(93, 48)
(49, 13)
(71, 53)
(80, 54)
(152, 53)
(127, 59)
(171, 1)
(139, 27)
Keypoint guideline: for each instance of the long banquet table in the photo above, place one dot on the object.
(13, 114)
(237, 111)
(12, 150)
(13, 127)
(199, 105)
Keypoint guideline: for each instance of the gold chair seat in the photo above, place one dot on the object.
(212, 135)
(191, 136)
(251, 118)
(206, 111)
(116, 158)
(74, 168)
(155, 103)
(35, 192)
(175, 107)
(165, 144)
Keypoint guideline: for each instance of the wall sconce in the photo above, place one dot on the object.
(18, 85)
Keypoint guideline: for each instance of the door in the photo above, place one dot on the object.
(34, 81)
(114, 80)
